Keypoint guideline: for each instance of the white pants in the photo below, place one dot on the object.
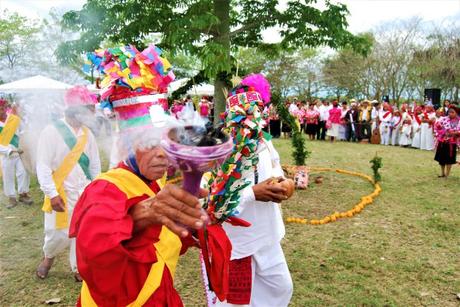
(385, 134)
(395, 136)
(57, 240)
(12, 167)
(271, 280)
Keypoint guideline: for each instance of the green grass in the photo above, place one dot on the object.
(402, 250)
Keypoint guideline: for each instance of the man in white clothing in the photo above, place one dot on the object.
(385, 117)
(323, 110)
(67, 161)
(11, 162)
(259, 275)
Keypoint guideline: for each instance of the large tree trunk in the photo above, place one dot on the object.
(222, 11)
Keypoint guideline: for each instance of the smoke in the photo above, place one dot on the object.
(38, 109)
(128, 141)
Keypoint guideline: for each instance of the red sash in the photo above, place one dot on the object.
(386, 114)
(217, 250)
(417, 119)
(240, 282)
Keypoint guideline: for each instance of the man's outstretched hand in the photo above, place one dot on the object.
(173, 207)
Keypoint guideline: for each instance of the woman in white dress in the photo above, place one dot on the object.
(405, 133)
(426, 129)
(416, 125)
(396, 122)
(343, 123)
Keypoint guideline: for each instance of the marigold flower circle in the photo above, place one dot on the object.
(358, 208)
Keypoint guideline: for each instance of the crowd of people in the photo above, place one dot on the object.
(409, 125)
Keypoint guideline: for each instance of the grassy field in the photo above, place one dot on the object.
(403, 250)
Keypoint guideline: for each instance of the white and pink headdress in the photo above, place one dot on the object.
(133, 82)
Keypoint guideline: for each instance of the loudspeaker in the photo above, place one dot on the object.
(433, 94)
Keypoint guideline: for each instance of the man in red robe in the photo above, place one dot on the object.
(116, 234)
(129, 230)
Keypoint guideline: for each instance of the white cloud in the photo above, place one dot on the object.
(366, 14)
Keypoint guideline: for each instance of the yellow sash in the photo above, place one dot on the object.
(69, 162)
(167, 248)
(11, 125)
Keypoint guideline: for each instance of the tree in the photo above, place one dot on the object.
(295, 72)
(437, 64)
(17, 35)
(210, 30)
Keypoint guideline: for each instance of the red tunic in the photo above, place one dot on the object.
(113, 263)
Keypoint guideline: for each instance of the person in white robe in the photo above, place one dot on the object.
(272, 283)
(426, 129)
(405, 133)
(343, 123)
(396, 123)
(256, 250)
(416, 126)
(53, 149)
(385, 118)
(12, 166)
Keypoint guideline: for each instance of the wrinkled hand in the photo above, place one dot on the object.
(173, 207)
(57, 204)
(267, 191)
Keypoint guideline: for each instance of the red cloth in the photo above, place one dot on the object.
(217, 250)
(113, 262)
(240, 281)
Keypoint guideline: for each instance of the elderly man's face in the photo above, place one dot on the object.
(152, 162)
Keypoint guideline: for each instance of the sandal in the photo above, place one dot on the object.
(42, 269)
(441, 176)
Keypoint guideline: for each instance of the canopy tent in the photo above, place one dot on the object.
(200, 90)
(34, 83)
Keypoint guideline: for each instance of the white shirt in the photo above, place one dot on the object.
(324, 112)
(267, 225)
(385, 120)
(374, 113)
(396, 121)
(293, 109)
(51, 152)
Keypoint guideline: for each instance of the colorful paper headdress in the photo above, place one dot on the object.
(3, 102)
(79, 96)
(133, 82)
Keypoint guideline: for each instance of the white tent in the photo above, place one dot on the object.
(202, 89)
(33, 84)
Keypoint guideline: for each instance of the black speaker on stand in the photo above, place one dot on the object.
(433, 94)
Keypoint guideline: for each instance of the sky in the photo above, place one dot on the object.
(364, 14)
